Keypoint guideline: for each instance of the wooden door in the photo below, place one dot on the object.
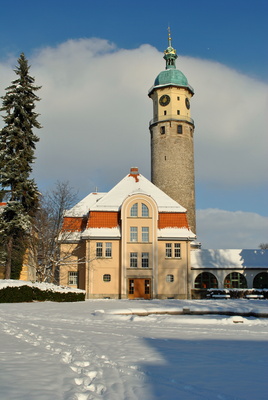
(139, 288)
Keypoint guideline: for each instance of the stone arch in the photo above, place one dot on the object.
(206, 280)
(261, 281)
(235, 280)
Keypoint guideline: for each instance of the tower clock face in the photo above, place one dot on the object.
(164, 100)
(187, 103)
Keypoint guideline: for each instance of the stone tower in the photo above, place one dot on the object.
(172, 132)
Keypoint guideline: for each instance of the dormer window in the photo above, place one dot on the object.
(144, 210)
(134, 210)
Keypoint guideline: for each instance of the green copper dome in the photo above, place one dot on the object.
(171, 76)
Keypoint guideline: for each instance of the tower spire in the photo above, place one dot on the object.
(170, 54)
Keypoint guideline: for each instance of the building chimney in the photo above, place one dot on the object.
(134, 171)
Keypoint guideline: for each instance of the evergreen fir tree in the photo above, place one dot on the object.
(17, 146)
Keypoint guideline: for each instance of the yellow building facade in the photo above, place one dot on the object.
(132, 242)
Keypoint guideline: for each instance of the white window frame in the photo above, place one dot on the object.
(145, 259)
(99, 249)
(133, 259)
(108, 250)
(168, 250)
(177, 250)
(145, 234)
(134, 210)
(133, 233)
(144, 210)
(73, 278)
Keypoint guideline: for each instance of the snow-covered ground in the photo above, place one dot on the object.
(96, 350)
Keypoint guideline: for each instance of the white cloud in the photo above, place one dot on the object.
(227, 229)
(95, 114)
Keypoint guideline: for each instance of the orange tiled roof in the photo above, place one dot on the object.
(102, 219)
(172, 220)
(71, 224)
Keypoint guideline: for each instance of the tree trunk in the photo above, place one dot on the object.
(9, 257)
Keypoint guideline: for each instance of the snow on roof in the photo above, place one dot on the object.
(131, 185)
(113, 200)
(175, 233)
(101, 232)
(82, 208)
(229, 259)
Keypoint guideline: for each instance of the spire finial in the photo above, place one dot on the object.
(169, 37)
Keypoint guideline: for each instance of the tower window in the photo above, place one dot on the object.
(178, 98)
(179, 128)
(165, 112)
(162, 130)
(178, 112)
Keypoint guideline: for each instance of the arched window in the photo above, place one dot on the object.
(134, 210)
(206, 280)
(261, 281)
(144, 210)
(170, 278)
(106, 278)
(235, 280)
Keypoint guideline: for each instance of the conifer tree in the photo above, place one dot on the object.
(17, 146)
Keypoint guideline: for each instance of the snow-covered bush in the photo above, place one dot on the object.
(12, 291)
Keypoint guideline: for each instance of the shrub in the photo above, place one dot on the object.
(25, 293)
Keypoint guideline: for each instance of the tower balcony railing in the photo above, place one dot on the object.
(166, 118)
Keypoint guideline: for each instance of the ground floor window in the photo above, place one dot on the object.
(235, 280)
(261, 281)
(170, 278)
(106, 278)
(72, 278)
(206, 280)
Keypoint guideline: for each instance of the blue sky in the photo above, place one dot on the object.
(233, 32)
(79, 48)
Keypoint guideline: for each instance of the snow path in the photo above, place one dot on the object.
(83, 351)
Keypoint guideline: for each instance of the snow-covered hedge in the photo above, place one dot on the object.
(12, 291)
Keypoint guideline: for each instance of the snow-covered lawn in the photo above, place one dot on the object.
(87, 350)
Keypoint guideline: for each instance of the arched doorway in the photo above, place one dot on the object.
(235, 280)
(206, 280)
(261, 281)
